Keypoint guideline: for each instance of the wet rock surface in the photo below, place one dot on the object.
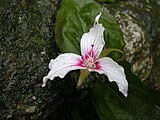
(26, 47)
(141, 27)
(27, 44)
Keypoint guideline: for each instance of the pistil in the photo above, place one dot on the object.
(90, 62)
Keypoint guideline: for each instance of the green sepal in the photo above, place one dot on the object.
(105, 52)
(83, 75)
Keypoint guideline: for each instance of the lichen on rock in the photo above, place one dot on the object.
(141, 31)
(26, 46)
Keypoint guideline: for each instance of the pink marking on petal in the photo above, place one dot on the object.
(90, 53)
(89, 60)
(80, 63)
(98, 67)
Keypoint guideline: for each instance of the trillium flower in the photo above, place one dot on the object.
(91, 45)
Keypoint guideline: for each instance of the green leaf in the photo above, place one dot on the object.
(135, 81)
(84, 110)
(142, 103)
(107, 1)
(75, 17)
(109, 50)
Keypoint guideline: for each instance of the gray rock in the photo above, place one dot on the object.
(140, 24)
(27, 44)
(26, 47)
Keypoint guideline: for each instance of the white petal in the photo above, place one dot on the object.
(60, 66)
(114, 72)
(93, 39)
(97, 19)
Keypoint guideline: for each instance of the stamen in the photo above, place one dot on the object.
(90, 61)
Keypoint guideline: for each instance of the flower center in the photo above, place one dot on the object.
(90, 62)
